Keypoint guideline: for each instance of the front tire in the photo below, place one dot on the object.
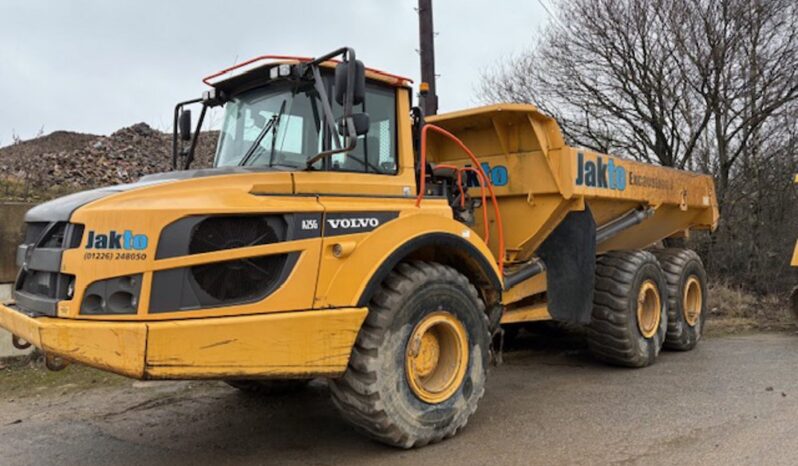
(418, 368)
(630, 302)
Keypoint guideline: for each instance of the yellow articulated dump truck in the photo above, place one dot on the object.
(342, 234)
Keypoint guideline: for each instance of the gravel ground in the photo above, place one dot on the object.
(733, 400)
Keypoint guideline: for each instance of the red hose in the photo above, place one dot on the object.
(477, 168)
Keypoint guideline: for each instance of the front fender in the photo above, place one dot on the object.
(350, 280)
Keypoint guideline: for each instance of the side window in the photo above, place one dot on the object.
(376, 150)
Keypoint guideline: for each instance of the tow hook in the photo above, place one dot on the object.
(55, 363)
(19, 343)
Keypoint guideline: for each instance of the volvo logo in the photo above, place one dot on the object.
(348, 223)
(354, 222)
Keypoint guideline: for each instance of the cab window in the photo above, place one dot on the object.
(376, 150)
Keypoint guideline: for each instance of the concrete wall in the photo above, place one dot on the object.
(12, 229)
(6, 349)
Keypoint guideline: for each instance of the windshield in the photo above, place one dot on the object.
(286, 118)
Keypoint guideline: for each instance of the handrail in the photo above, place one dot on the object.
(250, 61)
(206, 79)
(477, 167)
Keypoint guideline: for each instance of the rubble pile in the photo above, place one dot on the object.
(65, 162)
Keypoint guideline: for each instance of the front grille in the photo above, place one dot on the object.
(51, 285)
(40, 283)
(222, 283)
(218, 284)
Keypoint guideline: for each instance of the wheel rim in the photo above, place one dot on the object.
(693, 300)
(437, 357)
(648, 309)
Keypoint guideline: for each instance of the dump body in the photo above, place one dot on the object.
(538, 180)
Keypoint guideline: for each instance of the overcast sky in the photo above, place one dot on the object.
(95, 66)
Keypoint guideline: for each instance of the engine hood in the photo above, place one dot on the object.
(61, 209)
(205, 172)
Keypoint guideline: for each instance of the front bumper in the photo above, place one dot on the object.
(288, 344)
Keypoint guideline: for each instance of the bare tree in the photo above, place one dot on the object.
(744, 54)
(610, 72)
(709, 85)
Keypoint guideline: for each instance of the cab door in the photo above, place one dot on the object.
(365, 190)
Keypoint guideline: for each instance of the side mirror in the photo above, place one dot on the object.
(342, 71)
(361, 122)
(185, 125)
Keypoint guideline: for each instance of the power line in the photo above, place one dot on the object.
(551, 15)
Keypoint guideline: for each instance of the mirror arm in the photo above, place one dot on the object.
(348, 56)
(325, 105)
(346, 51)
(190, 155)
(175, 150)
(178, 107)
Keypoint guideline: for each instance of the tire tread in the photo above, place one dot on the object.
(354, 394)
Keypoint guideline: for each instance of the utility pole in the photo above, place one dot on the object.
(426, 36)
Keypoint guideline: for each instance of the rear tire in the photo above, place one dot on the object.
(269, 387)
(687, 297)
(629, 318)
(386, 392)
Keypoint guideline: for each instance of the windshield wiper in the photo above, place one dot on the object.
(266, 129)
(276, 132)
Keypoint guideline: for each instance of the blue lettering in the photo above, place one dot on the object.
(140, 242)
(498, 175)
(114, 240)
(599, 174)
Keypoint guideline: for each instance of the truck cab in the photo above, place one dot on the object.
(285, 238)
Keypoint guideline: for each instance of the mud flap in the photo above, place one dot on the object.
(570, 257)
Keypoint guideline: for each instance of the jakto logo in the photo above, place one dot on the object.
(349, 223)
(497, 175)
(599, 174)
(114, 240)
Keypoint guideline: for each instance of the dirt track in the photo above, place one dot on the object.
(734, 400)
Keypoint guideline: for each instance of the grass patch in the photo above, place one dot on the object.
(22, 378)
(733, 310)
